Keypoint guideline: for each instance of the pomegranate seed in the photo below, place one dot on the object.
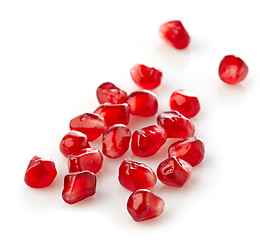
(40, 172)
(133, 176)
(146, 77)
(175, 34)
(89, 159)
(78, 186)
(109, 93)
(114, 113)
(142, 103)
(232, 69)
(174, 172)
(190, 150)
(176, 125)
(185, 103)
(143, 205)
(92, 125)
(116, 140)
(72, 142)
(147, 141)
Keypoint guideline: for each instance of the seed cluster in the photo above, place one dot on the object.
(110, 120)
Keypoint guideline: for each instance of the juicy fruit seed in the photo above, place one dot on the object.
(72, 142)
(174, 33)
(40, 172)
(190, 150)
(78, 186)
(185, 102)
(115, 141)
(89, 159)
(146, 77)
(114, 113)
(144, 205)
(176, 125)
(92, 125)
(142, 103)
(147, 141)
(174, 172)
(232, 69)
(133, 176)
(109, 93)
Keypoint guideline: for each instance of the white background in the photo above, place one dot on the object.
(53, 56)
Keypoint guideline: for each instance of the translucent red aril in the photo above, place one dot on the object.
(89, 159)
(190, 149)
(78, 186)
(114, 113)
(185, 102)
(143, 205)
(146, 77)
(92, 125)
(174, 33)
(115, 141)
(174, 172)
(142, 103)
(133, 176)
(40, 172)
(147, 141)
(232, 69)
(109, 93)
(72, 142)
(176, 125)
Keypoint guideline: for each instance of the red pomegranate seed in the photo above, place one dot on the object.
(109, 93)
(146, 77)
(174, 172)
(232, 69)
(115, 141)
(176, 125)
(175, 34)
(40, 172)
(190, 150)
(78, 186)
(142, 103)
(86, 159)
(143, 205)
(92, 125)
(185, 103)
(114, 113)
(72, 142)
(147, 141)
(133, 176)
